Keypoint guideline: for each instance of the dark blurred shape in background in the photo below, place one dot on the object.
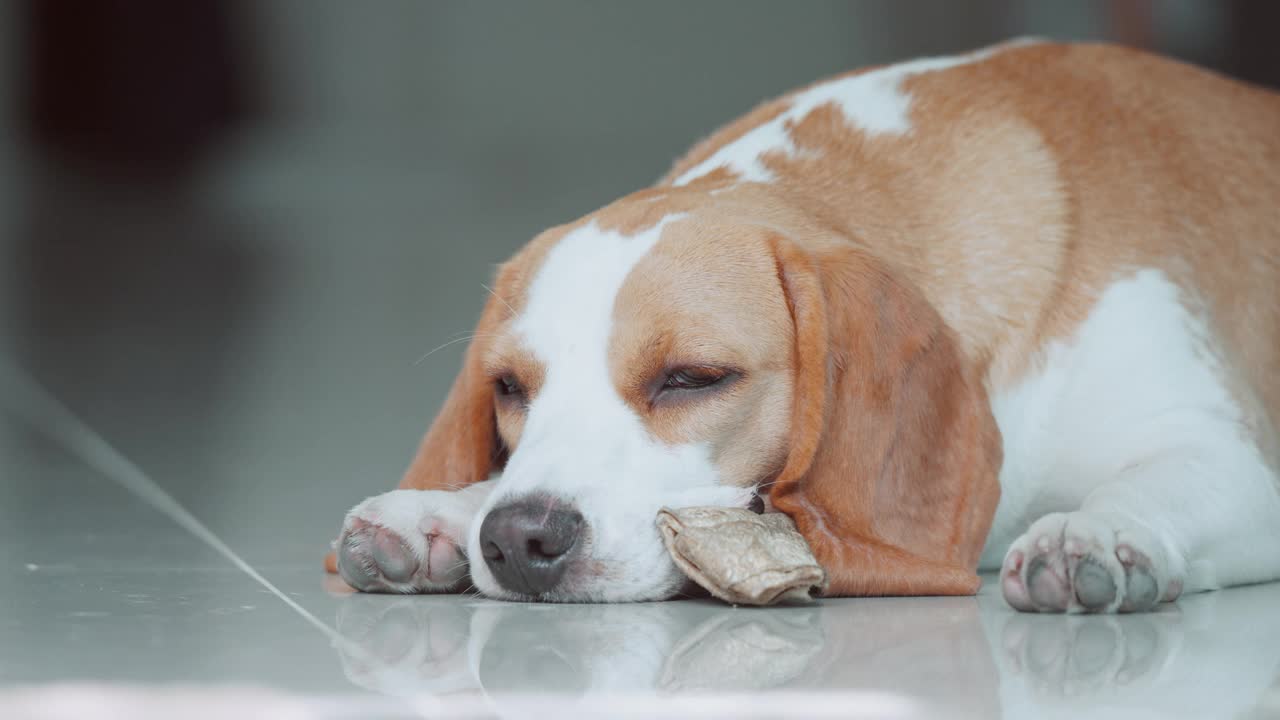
(235, 226)
(141, 87)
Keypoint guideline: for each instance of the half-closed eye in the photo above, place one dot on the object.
(693, 379)
(506, 386)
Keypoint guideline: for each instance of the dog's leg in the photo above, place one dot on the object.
(410, 541)
(1202, 517)
(1154, 450)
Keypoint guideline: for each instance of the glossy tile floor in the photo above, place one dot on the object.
(110, 602)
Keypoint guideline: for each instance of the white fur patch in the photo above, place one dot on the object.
(582, 442)
(871, 102)
(1133, 416)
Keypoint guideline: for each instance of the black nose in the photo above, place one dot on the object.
(526, 543)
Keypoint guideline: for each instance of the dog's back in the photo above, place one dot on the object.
(1022, 180)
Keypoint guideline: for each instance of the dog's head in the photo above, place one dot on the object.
(664, 351)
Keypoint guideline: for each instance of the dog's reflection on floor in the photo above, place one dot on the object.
(1089, 655)
(1211, 655)
(971, 656)
(403, 645)
(438, 645)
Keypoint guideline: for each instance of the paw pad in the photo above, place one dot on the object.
(373, 557)
(1086, 562)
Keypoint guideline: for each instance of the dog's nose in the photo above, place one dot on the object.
(526, 543)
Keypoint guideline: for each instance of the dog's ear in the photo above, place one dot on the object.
(462, 445)
(892, 470)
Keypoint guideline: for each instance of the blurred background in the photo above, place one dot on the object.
(231, 232)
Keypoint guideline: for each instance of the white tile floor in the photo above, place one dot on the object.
(109, 605)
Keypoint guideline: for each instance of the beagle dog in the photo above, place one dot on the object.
(1014, 310)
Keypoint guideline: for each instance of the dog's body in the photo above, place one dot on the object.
(1019, 308)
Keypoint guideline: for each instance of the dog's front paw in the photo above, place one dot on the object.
(1087, 562)
(405, 541)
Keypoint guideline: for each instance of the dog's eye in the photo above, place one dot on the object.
(692, 378)
(508, 386)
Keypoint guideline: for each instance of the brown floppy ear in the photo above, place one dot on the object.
(892, 471)
(462, 446)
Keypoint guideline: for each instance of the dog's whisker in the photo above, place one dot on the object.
(465, 336)
(450, 487)
(500, 299)
(438, 348)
